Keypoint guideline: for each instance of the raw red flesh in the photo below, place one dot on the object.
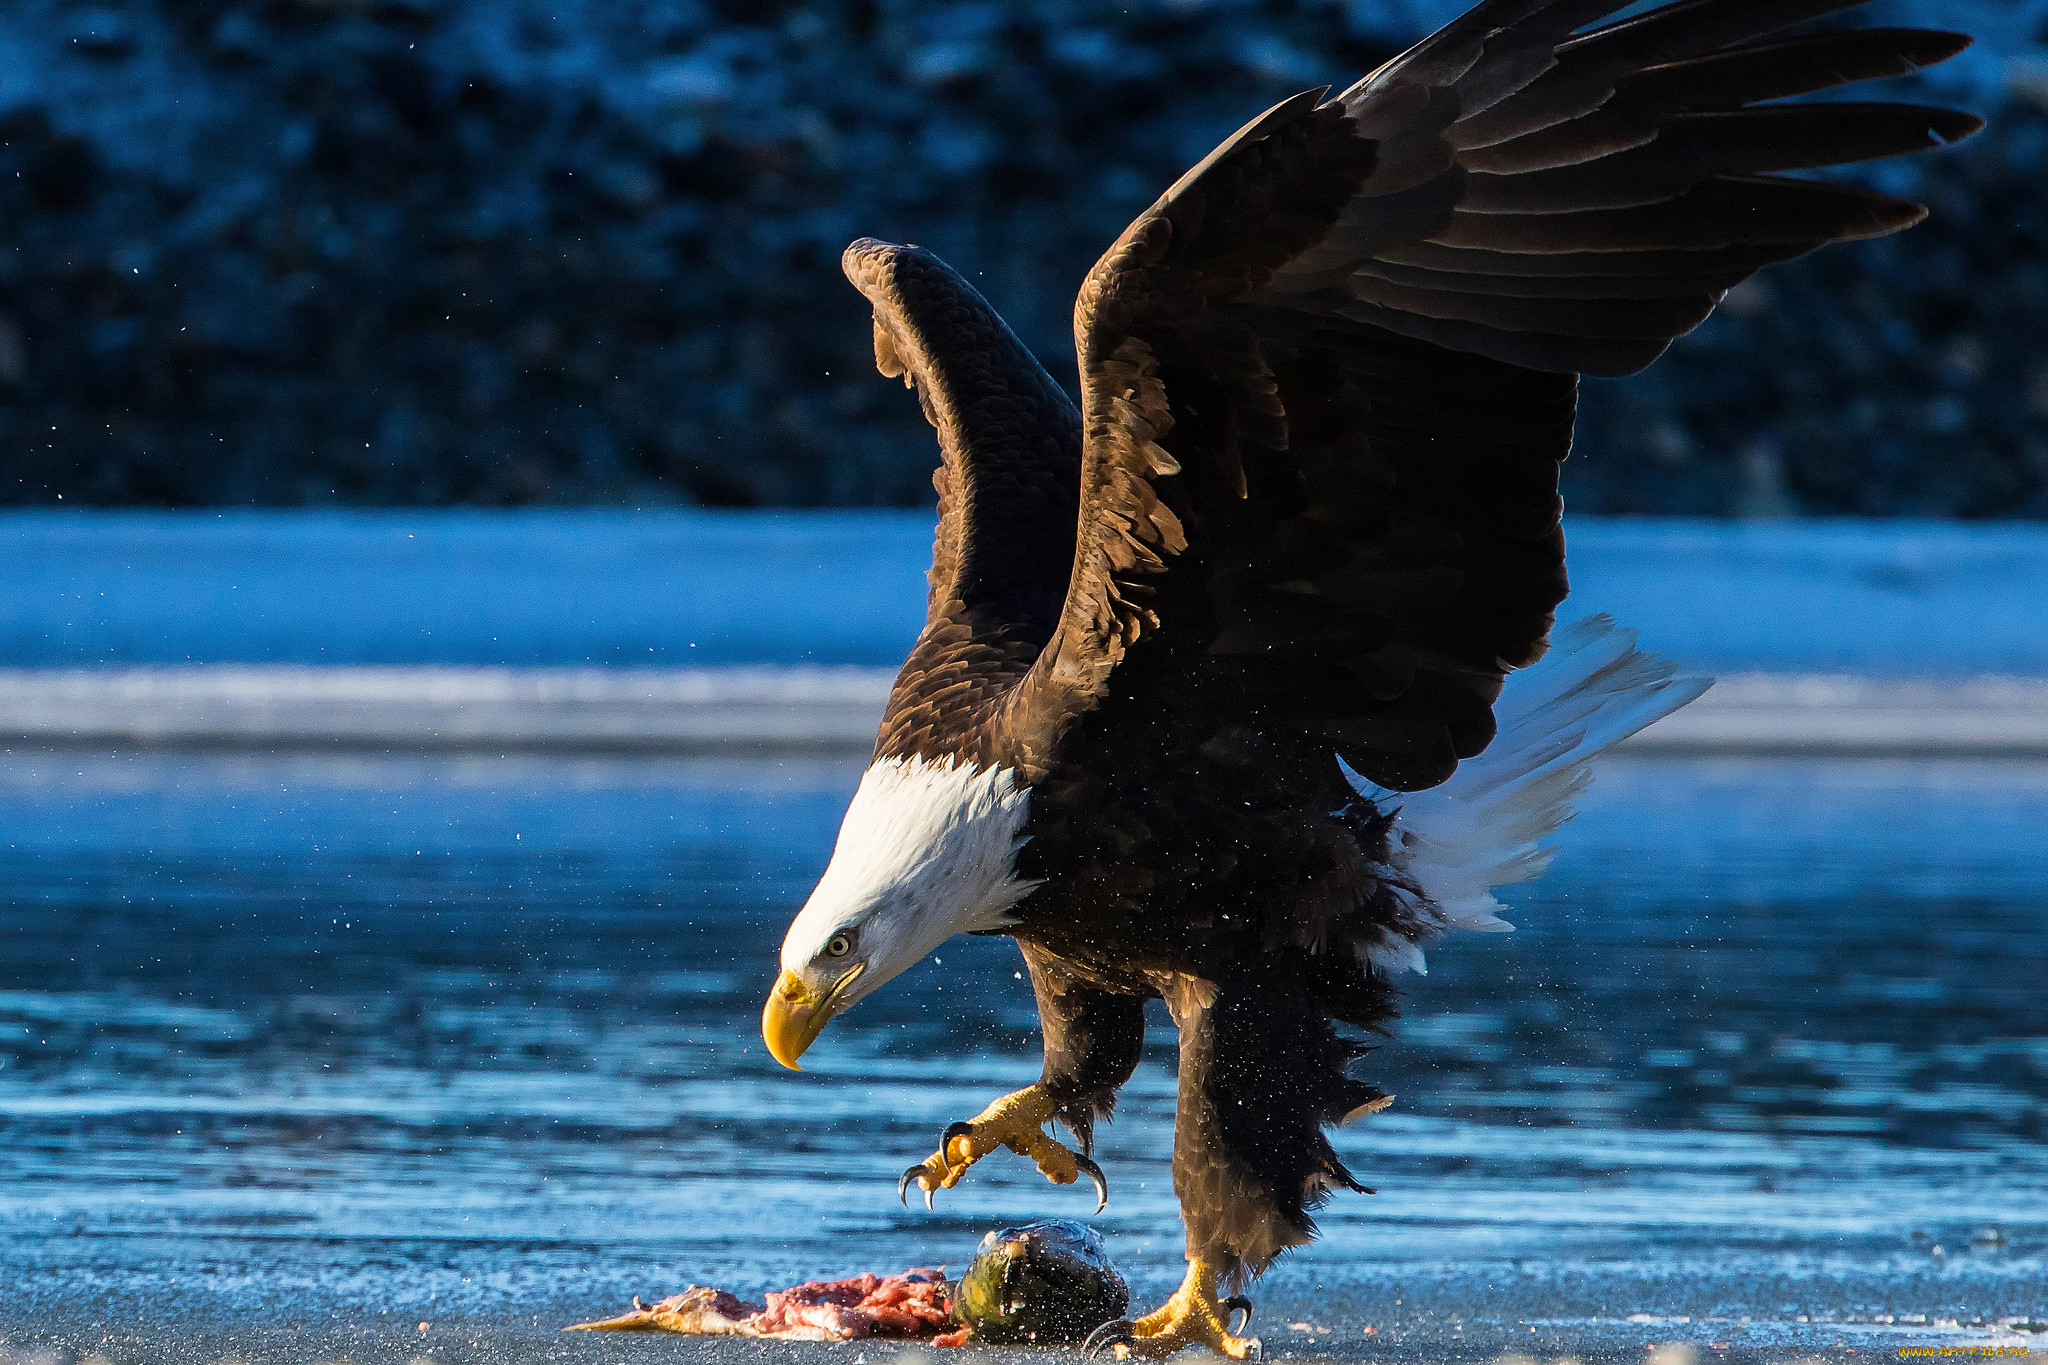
(912, 1305)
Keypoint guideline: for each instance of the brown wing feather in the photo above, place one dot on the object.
(1328, 378)
(1009, 440)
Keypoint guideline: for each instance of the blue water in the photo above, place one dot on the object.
(677, 589)
(346, 1045)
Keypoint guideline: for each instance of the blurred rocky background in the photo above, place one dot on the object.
(514, 251)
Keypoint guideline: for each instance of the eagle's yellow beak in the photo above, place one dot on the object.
(796, 1013)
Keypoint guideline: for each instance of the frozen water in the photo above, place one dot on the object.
(344, 1045)
(684, 589)
(341, 1046)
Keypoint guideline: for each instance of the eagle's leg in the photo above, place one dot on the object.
(1261, 1074)
(1194, 1316)
(1093, 1039)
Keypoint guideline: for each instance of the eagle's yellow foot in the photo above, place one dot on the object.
(1016, 1121)
(1194, 1316)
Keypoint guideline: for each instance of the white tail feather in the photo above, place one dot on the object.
(1483, 828)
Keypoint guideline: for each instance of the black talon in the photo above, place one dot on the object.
(953, 1130)
(1094, 1173)
(1237, 1303)
(1122, 1332)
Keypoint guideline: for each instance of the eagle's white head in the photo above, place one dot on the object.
(928, 849)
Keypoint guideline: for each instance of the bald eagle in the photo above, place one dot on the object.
(1229, 692)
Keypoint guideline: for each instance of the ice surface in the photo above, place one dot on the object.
(689, 589)
(560, 588)
(305, 1052)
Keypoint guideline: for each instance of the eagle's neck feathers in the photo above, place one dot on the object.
(928, 849)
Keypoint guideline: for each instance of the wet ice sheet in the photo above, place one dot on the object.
(472, 1041)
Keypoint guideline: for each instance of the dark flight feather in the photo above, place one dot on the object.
(1636, 107)
(1587, 69)
(1692, 148)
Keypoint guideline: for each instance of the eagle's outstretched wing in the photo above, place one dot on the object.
(1328, 377)
(1010, 464)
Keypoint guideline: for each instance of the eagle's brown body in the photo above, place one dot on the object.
(1307, 508)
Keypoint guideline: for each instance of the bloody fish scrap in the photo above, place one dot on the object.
(913, 1305)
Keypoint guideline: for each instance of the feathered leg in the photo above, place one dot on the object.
(1261, 1074)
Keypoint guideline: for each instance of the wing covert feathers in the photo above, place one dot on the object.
(1328, 377)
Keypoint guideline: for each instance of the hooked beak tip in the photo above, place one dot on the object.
(795, 1015)
(789, 1020)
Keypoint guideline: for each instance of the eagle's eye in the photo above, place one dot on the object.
(839, 945)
